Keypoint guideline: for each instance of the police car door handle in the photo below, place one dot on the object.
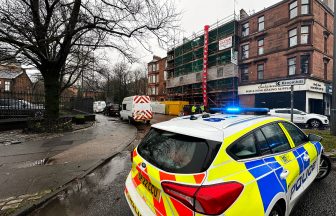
(284, 174)
(306, 157)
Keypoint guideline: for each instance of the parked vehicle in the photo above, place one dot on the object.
(136, 108)
(19, 108)
(112, 109)
(99, 106)
(232, 165)
(299, 117)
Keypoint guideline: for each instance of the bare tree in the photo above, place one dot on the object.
(59, 36)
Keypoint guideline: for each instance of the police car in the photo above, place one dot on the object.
(223, 164)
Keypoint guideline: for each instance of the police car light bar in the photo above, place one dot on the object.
(239, 110)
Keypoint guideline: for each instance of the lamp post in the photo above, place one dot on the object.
(333, 105)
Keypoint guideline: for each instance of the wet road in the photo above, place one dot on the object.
(101, 193)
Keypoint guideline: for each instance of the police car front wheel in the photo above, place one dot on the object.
(325, 167)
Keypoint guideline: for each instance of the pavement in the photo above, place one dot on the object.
(30, 170)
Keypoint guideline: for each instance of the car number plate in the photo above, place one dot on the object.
(150, 187)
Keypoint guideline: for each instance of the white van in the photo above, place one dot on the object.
(136, 108)
(99, 106)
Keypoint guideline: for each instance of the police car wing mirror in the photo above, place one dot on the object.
(314, 138)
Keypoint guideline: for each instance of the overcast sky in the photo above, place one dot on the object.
(197, 13)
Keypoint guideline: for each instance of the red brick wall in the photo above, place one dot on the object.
(276, 47)
(162, 83)
(21, 83)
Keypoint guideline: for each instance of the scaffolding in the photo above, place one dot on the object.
(187, 58)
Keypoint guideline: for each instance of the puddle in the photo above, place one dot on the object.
(27, 164)
(83, 193)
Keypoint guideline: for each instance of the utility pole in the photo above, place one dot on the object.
(333, 105)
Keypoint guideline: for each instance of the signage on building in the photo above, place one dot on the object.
(283, 86)
(225, 43)
(205, 66)
(234, 57)
(291, 82)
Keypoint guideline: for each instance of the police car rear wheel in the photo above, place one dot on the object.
(325, 167)
(276, 211)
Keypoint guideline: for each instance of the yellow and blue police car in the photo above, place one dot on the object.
(223, 164)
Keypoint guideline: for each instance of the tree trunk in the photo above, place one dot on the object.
(52, 95)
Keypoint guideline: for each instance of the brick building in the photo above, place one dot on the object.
(157, 79)
(14, 79)
(289, 40)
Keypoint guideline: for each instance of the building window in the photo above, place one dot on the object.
(325, 44)
(261, 47)
(158, 66)
(304, 34)
(260, 69)
(261, 23)
(325, 70)
(291, 66)
(245, 51)
(292, 37)
(293, 10)
(244, 74)
(220, 72)
(305, 64)
(7, 86)
(326, 19)
(150, 68)
(198, 77)
(245, 29)
(304, 6)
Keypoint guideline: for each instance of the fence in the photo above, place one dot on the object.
(23, 105)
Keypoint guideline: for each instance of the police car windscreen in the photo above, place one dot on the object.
(178, 153)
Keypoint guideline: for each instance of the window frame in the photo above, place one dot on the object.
(299, 129)
(7, 86)
(290, 9)
(289, 65)
(245, 29)
(244, 68)
(220, 70)
(260, 71)
(261, 47)
(304, 34)
(261, 156)
(245, 51)
(305, 5)
(292, 37)
(307, 64)
(261, 22)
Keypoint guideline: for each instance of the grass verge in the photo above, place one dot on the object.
(328, 142)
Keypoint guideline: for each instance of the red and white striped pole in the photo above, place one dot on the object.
(205, 66)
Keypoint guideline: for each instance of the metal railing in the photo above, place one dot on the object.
(25, 105)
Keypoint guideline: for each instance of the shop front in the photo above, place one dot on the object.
(310, 97)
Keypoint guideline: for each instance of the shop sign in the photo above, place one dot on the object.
(283, 86)
(291, 82)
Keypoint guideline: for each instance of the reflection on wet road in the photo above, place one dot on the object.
(100, 193)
